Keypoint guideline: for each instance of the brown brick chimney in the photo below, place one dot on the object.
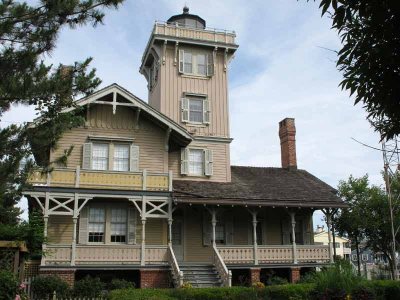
(287, 134)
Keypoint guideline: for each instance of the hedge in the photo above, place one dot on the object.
(374, 290)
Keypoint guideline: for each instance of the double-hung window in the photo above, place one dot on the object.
(220, 234)
(96, 225)
(196, 162)
(195, 109)
(195, 62)
(118, 225)
(121, 157)
(100, 157)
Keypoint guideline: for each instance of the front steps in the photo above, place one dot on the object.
(200, 276)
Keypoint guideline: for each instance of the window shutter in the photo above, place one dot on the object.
(208, 162)
(210, 64)
(306, 231)
(207, 229)
(131, 225)
(206, 112)
(185, 109)
(83, 226)
(286, 231)
(229, 231)
(181, 60)
(184, 161)
(87, 156)
(134, 158)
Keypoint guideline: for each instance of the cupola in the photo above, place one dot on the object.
(188, 20)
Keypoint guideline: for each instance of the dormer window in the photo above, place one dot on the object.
(196, 62)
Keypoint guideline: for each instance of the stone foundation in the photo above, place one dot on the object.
(154, 278)
(67, 275)
(254, 275)
(294, 275)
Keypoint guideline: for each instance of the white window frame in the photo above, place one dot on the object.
(187, 112)
(119, 222)
(208, 60)
(364, 257)
(107, 146)
(97, 222)
(116, 145)
(190, 163)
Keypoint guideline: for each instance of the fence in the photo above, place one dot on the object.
(26, 284)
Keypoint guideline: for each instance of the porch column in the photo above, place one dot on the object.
(213, 223)
(170, 232)
(143, 250)
(328, 224)
(143, 215)
(73, 248)
(293, 221)
(254, 214)
(45, 224)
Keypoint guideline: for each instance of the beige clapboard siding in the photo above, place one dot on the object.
(149, 137)
(221, 169)
(156, 232)
(194, 250)
(171, 86)
(60, 229)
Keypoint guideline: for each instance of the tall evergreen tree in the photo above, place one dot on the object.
(27, 33)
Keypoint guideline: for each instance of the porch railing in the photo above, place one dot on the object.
(207, 34)
(224, 273)
(80, 178)
(177, 274)
(274, 254)
(104, 254)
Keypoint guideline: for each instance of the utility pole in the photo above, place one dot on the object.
(391, 165)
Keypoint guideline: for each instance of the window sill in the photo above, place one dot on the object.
(193, 76)
(203, 125)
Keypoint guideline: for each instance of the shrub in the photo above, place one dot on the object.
(276, 280)
(234, 293)
(384, 289)
(121, 284)
(289, 291)
(8, 285)
(258, 285)
(88, 287)
(44, 286)
(339, 277)
(141, 294)
(363, 293)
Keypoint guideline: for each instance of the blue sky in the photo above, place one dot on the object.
(282, 69)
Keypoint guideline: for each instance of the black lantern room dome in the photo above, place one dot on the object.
(188, 20)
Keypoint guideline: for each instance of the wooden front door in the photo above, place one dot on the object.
(177, 239)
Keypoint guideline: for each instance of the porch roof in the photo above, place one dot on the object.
(257, 186)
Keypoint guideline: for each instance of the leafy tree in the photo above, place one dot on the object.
(350, 221)
(27, 34)
(368, 217)
(370, 57)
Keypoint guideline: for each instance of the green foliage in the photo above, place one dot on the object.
(27, 34)
(368, 59)
(276, 280)
(338, 277)
(44, 286)
(141, 294)
(89, 287)
(289, 292)
(8, 285)
(368, 215)
(121, 284)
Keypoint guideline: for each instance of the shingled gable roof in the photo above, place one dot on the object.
(137, 102)
(260, 187)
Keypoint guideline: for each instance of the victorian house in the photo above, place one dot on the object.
(149, 193)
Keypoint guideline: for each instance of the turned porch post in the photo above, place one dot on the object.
(328, 224)
(293, 221)
(255, 246)
(170, 222)
(213, 223)
(143, 248)
(45, 223)
(75, 221)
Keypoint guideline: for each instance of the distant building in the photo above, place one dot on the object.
(342, 245)
(372, 264)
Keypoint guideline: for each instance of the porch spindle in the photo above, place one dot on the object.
(254, 214)
(293, 220)
(328, 224)
(214, 224)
